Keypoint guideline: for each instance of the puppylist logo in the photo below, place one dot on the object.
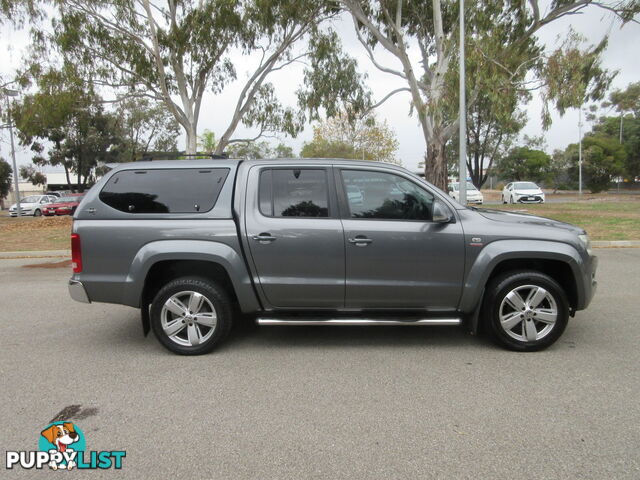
(62, 446)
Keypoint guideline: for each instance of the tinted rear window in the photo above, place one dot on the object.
(297, 192)
(189, 190)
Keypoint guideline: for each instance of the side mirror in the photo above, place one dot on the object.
(441, 213)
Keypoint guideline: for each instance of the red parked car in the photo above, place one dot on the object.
(64, 205)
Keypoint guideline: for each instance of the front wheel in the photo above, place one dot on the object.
(37, 213)
(191, 315)
(525, 311)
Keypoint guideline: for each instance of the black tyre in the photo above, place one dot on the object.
(191, 315)
(525, 311)
(37, 213)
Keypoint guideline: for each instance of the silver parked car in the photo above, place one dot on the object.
(473, 194)
(522, 192)
(31, 205)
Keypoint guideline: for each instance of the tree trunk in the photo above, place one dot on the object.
(435, 166)
(192, 139)
(66, 172)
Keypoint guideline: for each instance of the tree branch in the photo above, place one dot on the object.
(388, 96)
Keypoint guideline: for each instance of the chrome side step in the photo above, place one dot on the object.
(358, 321)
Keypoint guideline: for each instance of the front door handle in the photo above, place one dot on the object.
(360, 241)
(264, 238)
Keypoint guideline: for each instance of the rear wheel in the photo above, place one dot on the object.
(191, 315)
(525, 311)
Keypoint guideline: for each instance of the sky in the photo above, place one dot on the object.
(594, 23)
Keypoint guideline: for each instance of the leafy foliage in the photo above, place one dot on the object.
(257, 150)
(207, 141)
(524, 163)
(72, 120)
(363, 139)
(32, 175)
(17, 11)
(602, 158)
(332, 82)
(143, 126)
(610, 127)
(559, 175)
(574, 76)
(6, 177)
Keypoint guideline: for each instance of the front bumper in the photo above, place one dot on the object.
(77, 291)
(591, 282)
(57, 212)
(531, 199)
(23, 212)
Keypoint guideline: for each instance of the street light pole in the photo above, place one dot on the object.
(580, 152)
(462, 184)
(13, 93)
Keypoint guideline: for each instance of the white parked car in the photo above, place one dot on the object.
(31, 205)
(473, 194)
(522, 192)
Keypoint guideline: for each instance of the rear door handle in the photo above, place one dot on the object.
(360, 241)
(264, 238)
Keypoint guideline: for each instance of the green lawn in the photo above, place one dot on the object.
(603, 220)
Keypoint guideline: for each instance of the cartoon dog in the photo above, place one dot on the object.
(61, 436)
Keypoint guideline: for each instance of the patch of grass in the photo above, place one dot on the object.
(29, 233)
(603, 220)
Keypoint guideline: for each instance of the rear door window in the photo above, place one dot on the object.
(188, 190)
(294, 192)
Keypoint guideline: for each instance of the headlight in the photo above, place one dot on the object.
(584, 239)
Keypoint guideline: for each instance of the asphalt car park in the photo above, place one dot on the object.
(325, 402)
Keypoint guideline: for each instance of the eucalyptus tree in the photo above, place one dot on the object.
(65, 125)
(503, 53)
(177, 51)
(16, 11)
(145, 126)
(627, 100)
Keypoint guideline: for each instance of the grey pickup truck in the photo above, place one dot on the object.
(195, 244)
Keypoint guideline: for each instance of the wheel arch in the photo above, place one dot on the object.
(160, 262)
(558, 260)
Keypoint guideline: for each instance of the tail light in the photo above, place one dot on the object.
(76, 253)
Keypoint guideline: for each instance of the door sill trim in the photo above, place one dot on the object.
(358, 321)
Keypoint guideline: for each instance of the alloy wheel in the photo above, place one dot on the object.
(188, 318)
(528, 313)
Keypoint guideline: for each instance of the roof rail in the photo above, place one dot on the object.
(150, 156)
